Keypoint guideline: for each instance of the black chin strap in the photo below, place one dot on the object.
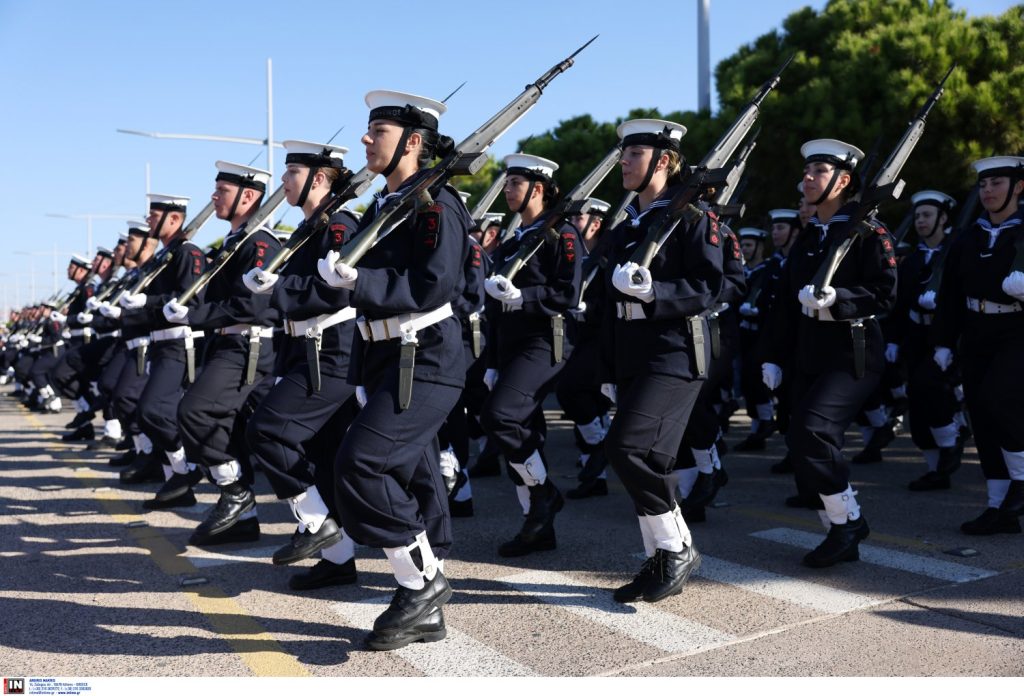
(528, 196)
(159, 225)
(1009, 194)
(234, 205)
(399, 152)
(307, 186)
(828, 189)
(655, 158)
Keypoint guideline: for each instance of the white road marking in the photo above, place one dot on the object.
(458, 655)
(640, 621)
(898, 560)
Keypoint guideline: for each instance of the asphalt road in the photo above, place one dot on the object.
(91, 585)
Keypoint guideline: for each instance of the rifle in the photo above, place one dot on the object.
(966, 219)
(734, 182)
(886, 186)
(487, 200)
(574, 203)
(466, 158)
(251, 226)
(706, 175)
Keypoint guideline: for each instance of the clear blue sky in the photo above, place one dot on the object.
(73, 72)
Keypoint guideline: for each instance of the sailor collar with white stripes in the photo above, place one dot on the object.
(995, 230)
(634, 216)
(520, 231)
(824, 226)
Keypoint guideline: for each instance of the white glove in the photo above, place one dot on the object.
(35, 339)
(175, 312)
(771, 375)
(259, 281)
(892, 352)
(1013, 285)
(808, 299)
(610, 390)
(84, 318)
(501, 288)
(58, 317)
(92, 304)
(581, 307)
(335, 273)
(490, 378)
(110, 311)
(927, 299)
(749, 310)
(622, 279)
(137, 301)
(361, 396)
(943, 358)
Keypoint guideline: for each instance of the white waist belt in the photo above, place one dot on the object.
(136, 342)
(75, 333)
(986, 307)
(174, 333)
(311, 328)
(403, 326)
(630, 311)
(115, 334)
(923, 319)
(247, 330)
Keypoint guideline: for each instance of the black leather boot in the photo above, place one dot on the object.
(410, 606)
(324, 574)
(950, 458)
(671, 570)
(80, 419)
(429, 629)
(706, 487)
(992, 521)
(186, 499)
(80, 433)
(538, 532)
(757, 440)
(304, 544)
(105, 442)
(931, 481)
(235, 500)
(840, 544)
(179, 484)
(634, 589)
(241, 532)
(146, 468)
(1013, 503)
(123, 459)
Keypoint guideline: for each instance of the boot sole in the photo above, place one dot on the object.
(382, 643)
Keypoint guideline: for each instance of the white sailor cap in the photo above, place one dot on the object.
(160, 201)
(842, 155)
(242, 175)
(754, 233)
(464, 195)
(784, 215)
(491, 219)
(937, 198)
(530, 166)
(651, 131)
(122, 238)
(138, 227)
(999, 166)
(103, 251)
(405, 109)
(597, 207)
(314, 154)
(79, 260)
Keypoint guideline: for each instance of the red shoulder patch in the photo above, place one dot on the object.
(476, 260)
(338, 232)
(569, 246)
(428, 224)
(714, 235)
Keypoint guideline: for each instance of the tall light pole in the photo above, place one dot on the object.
(703, 55)
(89, 217)
(267, 142)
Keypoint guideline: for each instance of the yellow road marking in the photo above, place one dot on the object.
(261, 653)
